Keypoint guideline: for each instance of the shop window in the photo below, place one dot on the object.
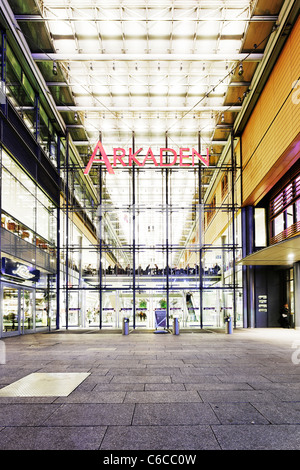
(285, 212)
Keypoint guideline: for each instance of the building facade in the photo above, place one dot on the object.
(155, 229)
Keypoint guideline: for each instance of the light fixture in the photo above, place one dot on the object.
(241, 70)
(54, 68)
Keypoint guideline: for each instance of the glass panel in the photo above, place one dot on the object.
(144, 309)
(260, 228)
(10, 309)
(27, 307)
(298, 210)
(14, 198)
(109, 309)
(41, 308)
(289, 216)
(278, 224)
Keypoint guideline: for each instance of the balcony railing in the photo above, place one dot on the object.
(13, 245)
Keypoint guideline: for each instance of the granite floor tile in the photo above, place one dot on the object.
(162, 397)
(194, 379)
(206, 386)
(162, 387)
(119, 387)
(174, 414)
(238, 413)
(159, 438)
(43, 438)
(21, 414)
(237, 396)
(93, 397)
(91, 415)
(286, 413)
(258, 437)
(141, 379)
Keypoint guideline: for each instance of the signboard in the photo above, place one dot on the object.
(19, 270)
(262, 303)
(160, 318)
(126, 159)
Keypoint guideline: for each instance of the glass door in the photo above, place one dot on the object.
(11, 308)
(17, 309)
(26, 309)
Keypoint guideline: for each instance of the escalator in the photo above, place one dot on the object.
(190, 307)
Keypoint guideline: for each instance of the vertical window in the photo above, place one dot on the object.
(260, 227)
(298, 210)
(278, 224)
(289, 216)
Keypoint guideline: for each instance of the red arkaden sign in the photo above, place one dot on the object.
(119, 154)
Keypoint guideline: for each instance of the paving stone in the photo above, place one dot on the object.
(237, 396)
(258, 437)
(115, 387)
(141, 379)
(162, 397)
(42, 438)
(286, 413)
(93, 397)
(174, 414)
(217, 386)
(159, 438)
(91, 415)
(238, 413)
(162, 387)
(24, 415)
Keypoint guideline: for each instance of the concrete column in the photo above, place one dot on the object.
(297, 293)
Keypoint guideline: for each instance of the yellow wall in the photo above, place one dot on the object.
(269, 150)
(223, 214)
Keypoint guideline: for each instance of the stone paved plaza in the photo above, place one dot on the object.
(146, 391)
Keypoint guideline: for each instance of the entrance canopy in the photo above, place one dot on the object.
(285, 253)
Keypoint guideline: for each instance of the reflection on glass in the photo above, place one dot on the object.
(27, 307)
(41, 306)
(10, 309)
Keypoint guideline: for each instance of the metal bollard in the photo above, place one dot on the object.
(228, 326)
(125, 326)
(175, 326)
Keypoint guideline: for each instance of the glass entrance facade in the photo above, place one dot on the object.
(153, 249)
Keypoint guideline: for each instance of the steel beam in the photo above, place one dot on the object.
(77, 57)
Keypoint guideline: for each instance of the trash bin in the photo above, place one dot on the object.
(125, 326)
(175, 326)
(228, 325)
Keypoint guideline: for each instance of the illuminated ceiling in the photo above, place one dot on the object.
(147, 67)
